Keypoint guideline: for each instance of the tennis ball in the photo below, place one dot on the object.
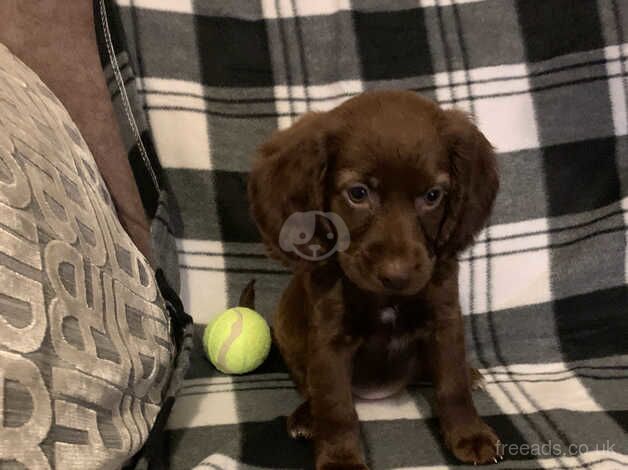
(237, 341)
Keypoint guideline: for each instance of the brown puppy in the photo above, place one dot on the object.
(373, 303)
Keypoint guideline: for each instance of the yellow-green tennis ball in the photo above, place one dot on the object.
(237, 341)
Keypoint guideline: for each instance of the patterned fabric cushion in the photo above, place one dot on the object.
(85, 344)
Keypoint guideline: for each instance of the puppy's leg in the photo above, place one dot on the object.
(335, 425)
(469, 438)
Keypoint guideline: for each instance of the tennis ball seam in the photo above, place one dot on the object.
(236, 330)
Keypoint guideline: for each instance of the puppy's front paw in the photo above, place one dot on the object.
(474, 443)
(339, 458)
(299, 423)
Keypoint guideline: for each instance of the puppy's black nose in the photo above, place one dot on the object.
(395, 275)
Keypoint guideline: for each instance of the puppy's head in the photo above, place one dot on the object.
(388, 182)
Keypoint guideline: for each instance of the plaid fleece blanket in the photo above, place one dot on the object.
(544, 288)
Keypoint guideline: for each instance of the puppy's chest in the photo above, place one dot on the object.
(395, 326)
(387, 358)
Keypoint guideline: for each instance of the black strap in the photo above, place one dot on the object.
(154, 455)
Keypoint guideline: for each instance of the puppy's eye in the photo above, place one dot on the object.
(433, 197)
(358, 193)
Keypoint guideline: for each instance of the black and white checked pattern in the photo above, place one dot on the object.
(544, 288)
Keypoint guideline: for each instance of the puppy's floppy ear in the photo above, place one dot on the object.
(289, 176)
(474, 184)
